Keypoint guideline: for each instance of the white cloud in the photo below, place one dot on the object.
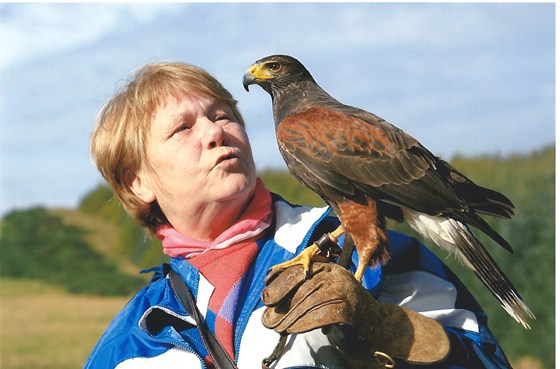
(29, 31)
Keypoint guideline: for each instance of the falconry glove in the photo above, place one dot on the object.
(357, 324)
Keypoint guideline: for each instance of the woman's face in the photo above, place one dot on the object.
(200, 155)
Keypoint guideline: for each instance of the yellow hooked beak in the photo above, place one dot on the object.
(255, 75)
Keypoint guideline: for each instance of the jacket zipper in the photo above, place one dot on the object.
(182, 346)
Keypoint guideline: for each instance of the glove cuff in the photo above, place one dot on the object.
(404, 334)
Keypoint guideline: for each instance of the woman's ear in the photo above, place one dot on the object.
(140, 185)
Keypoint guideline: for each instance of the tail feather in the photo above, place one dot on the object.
(489, 202)
(481, 199)
(490, 274)
(474, 220)
(455, 237)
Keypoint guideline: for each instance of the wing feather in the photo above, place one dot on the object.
(345, 153)
(349, 152)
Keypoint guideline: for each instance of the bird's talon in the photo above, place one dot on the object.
(305, 259)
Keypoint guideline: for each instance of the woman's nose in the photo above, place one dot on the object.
(213, 135)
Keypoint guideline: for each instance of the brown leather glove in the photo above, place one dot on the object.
(354, 321)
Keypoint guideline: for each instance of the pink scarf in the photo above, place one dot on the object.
(256, 218)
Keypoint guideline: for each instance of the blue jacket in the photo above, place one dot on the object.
(154, 331)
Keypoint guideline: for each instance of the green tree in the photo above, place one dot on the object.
(285, 185)
(36, 244)
(141, 247)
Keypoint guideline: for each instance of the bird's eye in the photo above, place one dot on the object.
(274, 67)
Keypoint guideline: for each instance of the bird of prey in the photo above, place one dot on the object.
(366, 169)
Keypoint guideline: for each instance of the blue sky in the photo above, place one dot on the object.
(462, 78)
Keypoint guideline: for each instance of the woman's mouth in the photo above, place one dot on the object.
(227, 158)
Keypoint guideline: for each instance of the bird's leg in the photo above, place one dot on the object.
(336, 233)
(315, 252)
(379, 253)
(367, 227)
(360, 271)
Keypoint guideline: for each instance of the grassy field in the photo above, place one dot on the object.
(42, 327)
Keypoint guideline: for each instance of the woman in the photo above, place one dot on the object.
(173, 147)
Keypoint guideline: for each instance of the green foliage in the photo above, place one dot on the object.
(36, 244)
(142, 248)
(285, 185)
(101, 202)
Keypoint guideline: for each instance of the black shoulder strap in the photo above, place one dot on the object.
(219, 356)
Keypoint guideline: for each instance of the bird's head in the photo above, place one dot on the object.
(275, 72)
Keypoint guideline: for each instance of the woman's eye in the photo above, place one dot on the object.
(182, 128)
(222, 118)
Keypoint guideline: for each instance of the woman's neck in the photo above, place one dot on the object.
(207, 221)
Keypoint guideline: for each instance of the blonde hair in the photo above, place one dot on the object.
(118, 140)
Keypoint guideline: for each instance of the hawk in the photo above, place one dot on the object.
(366, 169)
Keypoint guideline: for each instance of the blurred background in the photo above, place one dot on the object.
(475, 83)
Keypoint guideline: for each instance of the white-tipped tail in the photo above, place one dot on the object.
(456, 238)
